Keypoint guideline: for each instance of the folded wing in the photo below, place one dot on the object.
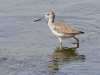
(65, 28)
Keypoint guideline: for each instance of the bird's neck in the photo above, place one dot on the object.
(51, 20)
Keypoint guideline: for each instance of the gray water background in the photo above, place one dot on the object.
(30, 48)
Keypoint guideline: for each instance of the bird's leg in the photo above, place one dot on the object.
(60, 43)
(77, 41)
(60, 40)
(61, 47)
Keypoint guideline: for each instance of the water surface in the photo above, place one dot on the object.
(30, 48)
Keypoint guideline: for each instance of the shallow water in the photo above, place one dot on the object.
(30, 48)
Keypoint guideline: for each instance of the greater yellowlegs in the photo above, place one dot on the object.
(60, 29)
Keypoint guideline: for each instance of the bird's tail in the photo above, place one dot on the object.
(81, 32)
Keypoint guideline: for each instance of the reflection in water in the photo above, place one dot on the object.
(64, 55)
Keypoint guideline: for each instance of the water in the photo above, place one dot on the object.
(30, 48)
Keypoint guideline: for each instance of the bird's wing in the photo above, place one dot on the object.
(64, 28)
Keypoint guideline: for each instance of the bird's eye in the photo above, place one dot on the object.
(47, 14)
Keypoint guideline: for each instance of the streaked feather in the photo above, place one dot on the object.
(64, 28)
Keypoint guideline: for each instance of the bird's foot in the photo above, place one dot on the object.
(77, 43)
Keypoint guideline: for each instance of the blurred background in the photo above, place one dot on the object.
(30, 48)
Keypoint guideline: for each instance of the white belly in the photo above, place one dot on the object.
(61, 35)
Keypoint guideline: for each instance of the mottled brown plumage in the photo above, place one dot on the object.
(60, 29)
(63, 28)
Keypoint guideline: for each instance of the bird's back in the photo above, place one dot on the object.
(63, 28)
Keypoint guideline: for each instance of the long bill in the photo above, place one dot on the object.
(39, 19)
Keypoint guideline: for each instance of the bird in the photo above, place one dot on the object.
(61, 29)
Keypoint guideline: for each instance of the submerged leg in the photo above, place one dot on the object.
(61, 47)
(77, 41)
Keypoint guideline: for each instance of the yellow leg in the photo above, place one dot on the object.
(77, 41)
(60, 40)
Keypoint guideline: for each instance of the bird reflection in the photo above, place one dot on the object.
(64, 55)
